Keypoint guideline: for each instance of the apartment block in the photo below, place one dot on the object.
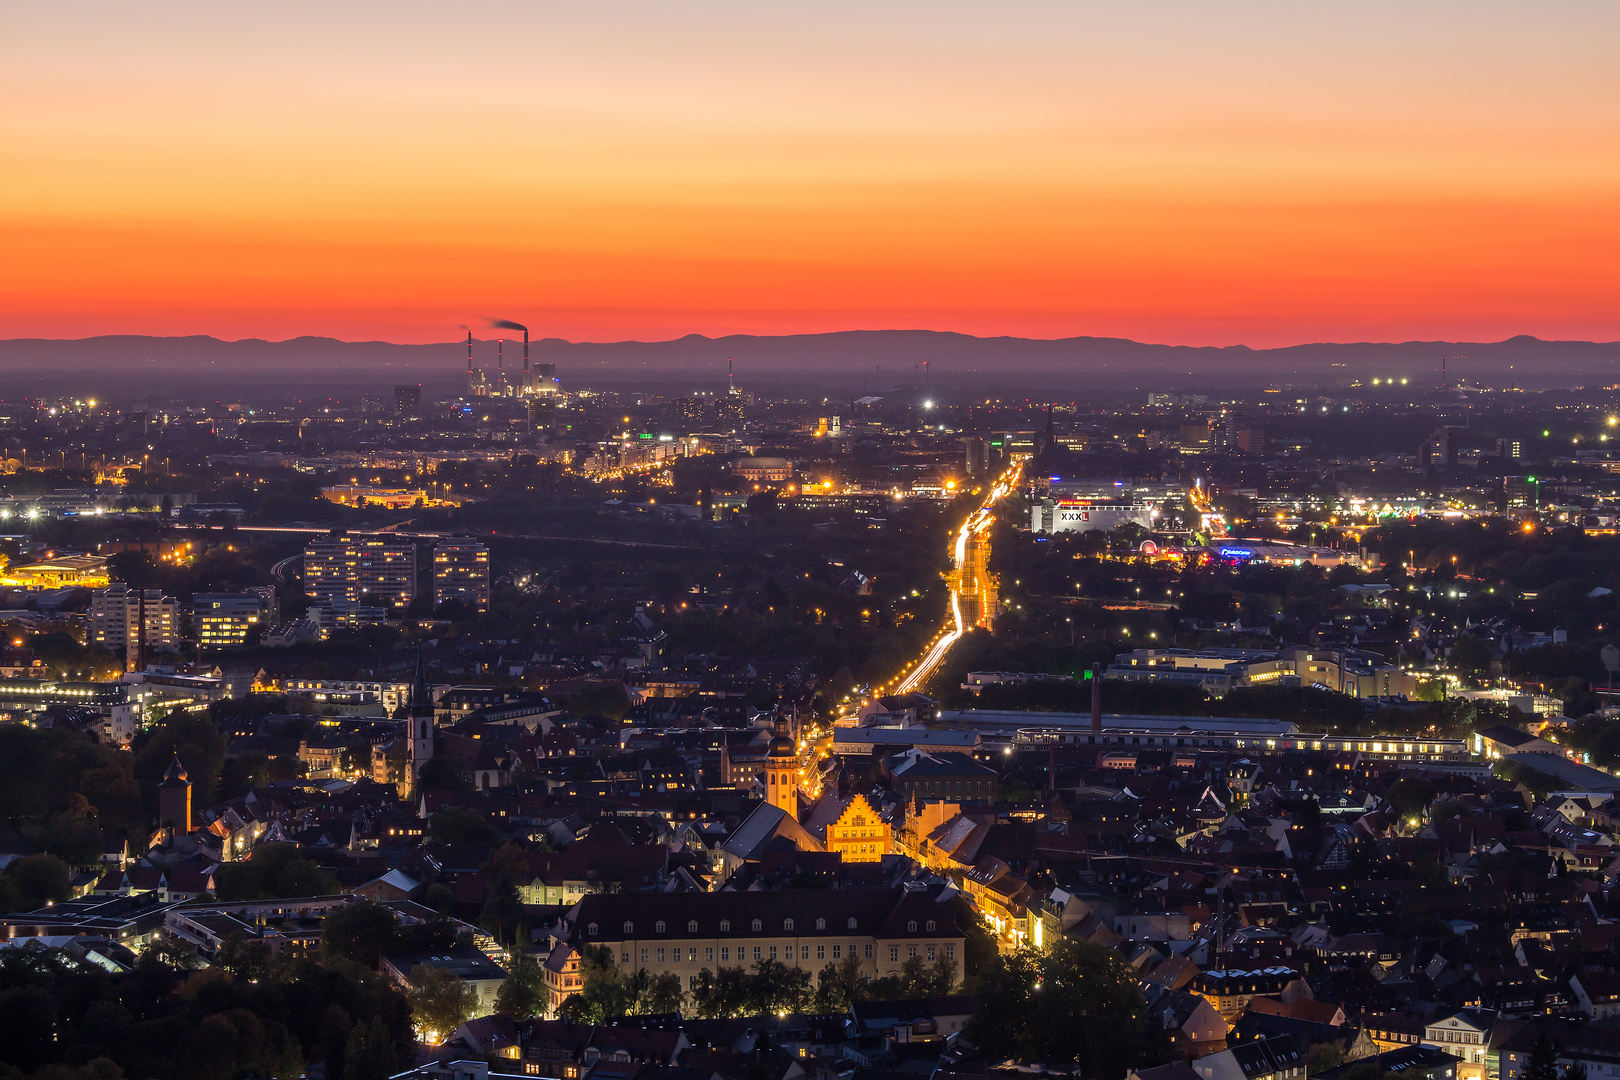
(339, 570)
(224, 620)
(461, 572)
(116, 613)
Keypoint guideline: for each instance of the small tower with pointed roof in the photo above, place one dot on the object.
(174, 800)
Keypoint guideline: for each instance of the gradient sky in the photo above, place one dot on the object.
(1185, 172)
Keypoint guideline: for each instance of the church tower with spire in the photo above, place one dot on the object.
(782, 763)
(419, 727)
(174, 800)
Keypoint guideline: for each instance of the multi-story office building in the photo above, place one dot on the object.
(339, 570)
(461, 572)
(224, 620)
(116, 615)
(408, 401)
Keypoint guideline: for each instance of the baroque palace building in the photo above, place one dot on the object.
(685, 933)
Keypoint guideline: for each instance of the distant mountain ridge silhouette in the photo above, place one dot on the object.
(860, 359)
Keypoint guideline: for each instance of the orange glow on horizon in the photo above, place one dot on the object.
(1262, 175)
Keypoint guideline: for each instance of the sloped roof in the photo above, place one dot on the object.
(765, 824)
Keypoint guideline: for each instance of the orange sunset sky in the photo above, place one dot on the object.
(1185, 172)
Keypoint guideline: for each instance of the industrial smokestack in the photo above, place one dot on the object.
(525, 358)
(1096, 699)
(469, 354)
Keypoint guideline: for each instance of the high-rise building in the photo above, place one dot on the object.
(728, 412)
(1512, 449)
(977, 462)
(224, 620)
(1196, 438)
(687, 410)
(1521, 492)
(461, 572)
(1251, 441)
(340, 570)
(1440, 448)
(408, 401)
(542, 412)
(116, 615)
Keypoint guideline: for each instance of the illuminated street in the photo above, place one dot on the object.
(972, 587)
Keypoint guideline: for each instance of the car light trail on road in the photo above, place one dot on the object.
(978, 522)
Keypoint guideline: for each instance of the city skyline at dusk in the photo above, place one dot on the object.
(1260, 174)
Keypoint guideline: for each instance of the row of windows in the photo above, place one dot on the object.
(758, 925)
(769, 952)
(1346, 745)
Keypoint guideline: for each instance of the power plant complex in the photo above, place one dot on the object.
(537, 381)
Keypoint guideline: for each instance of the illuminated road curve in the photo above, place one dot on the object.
(977, 523)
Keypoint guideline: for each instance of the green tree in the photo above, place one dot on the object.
(1321, 1057)
(197, 740)
(34, 881)
(840, 985)
(1543, 1061)
(459, 827)
(359, 932)
(74, 834)
(1077, 1004)
(440, 1001)
(244, 958)
(1444, 810)
(524, 993)
(441, 774)
(271, 872)
(439, 898)
(1410, 797)
(604, 993)
(662, 994)
(369, 1053)
(1003, 1025)
(1470, 657)
(28, 1016)
(600, 699)
(979, 950)
(722, 993)
(502, 915)
(774, 987)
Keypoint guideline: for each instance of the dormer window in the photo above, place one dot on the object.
(725, 926)
(852, 922)
(658, 927)
(821, 924)
(591, 929)
(629, 927)
(787, 924)
(758, 925)
(911, 927)
(929, 926)
(691, 927)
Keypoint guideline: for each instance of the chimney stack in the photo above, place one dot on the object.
(525, 361)
(469, 355)
(1096, 699)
